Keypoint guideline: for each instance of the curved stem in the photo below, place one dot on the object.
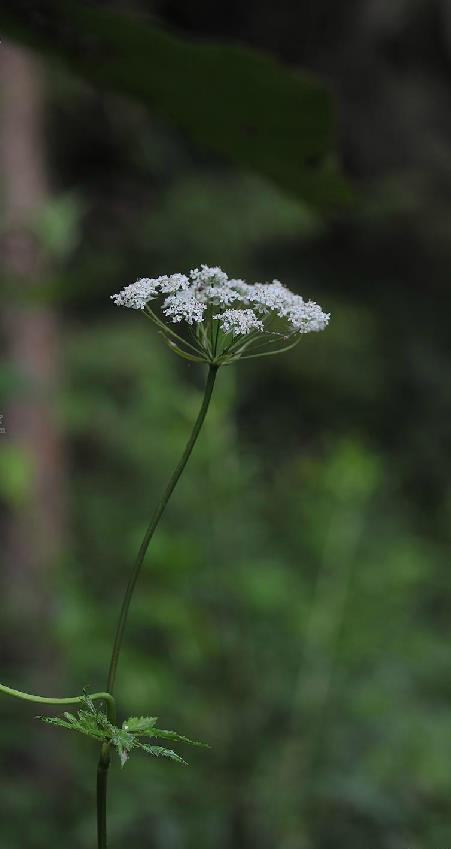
(153, 525)
(69, 700)
(104, 759)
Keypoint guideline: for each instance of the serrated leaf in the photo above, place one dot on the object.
(74, 725)
(94, 723)
(161, 752)
(144, 726)
(88, 721)
(139, 724)
(172, 735)
(123, 742)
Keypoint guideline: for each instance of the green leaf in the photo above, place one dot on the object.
(236, 101)
(123, 743)
(88, 720)
(94, 723)
(172, 735)
(74, 725)
(144, 726)
(161, 752)
(139, 724)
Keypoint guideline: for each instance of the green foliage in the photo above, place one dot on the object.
(16, 474)
(144, 726)
(238, 102)
(57, 225)
(93, 722)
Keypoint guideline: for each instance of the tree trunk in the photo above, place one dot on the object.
(34, 520)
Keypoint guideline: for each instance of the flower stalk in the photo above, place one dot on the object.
(104, 759)
(151, 528)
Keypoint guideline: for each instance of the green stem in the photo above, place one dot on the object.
(102, 786)
(153, 525)
(104, 760)
(70, 700)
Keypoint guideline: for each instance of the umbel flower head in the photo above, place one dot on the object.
(207, 317)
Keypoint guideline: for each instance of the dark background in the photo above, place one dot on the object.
(295, 609)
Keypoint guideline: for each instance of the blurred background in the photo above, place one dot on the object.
(294, 611)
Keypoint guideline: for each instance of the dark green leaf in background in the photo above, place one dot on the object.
(235, 101)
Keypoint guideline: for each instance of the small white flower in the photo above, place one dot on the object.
(173, 283)
(137, 294)
(219, 295)
(184, 306)
(268, 296)
(208, 276)
(307, 317)
(239, 322)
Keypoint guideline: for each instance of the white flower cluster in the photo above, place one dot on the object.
(255, 305)
(137, 294)
(239, 322)
(184, 306)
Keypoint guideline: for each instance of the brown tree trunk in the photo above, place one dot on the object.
(34, 522)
